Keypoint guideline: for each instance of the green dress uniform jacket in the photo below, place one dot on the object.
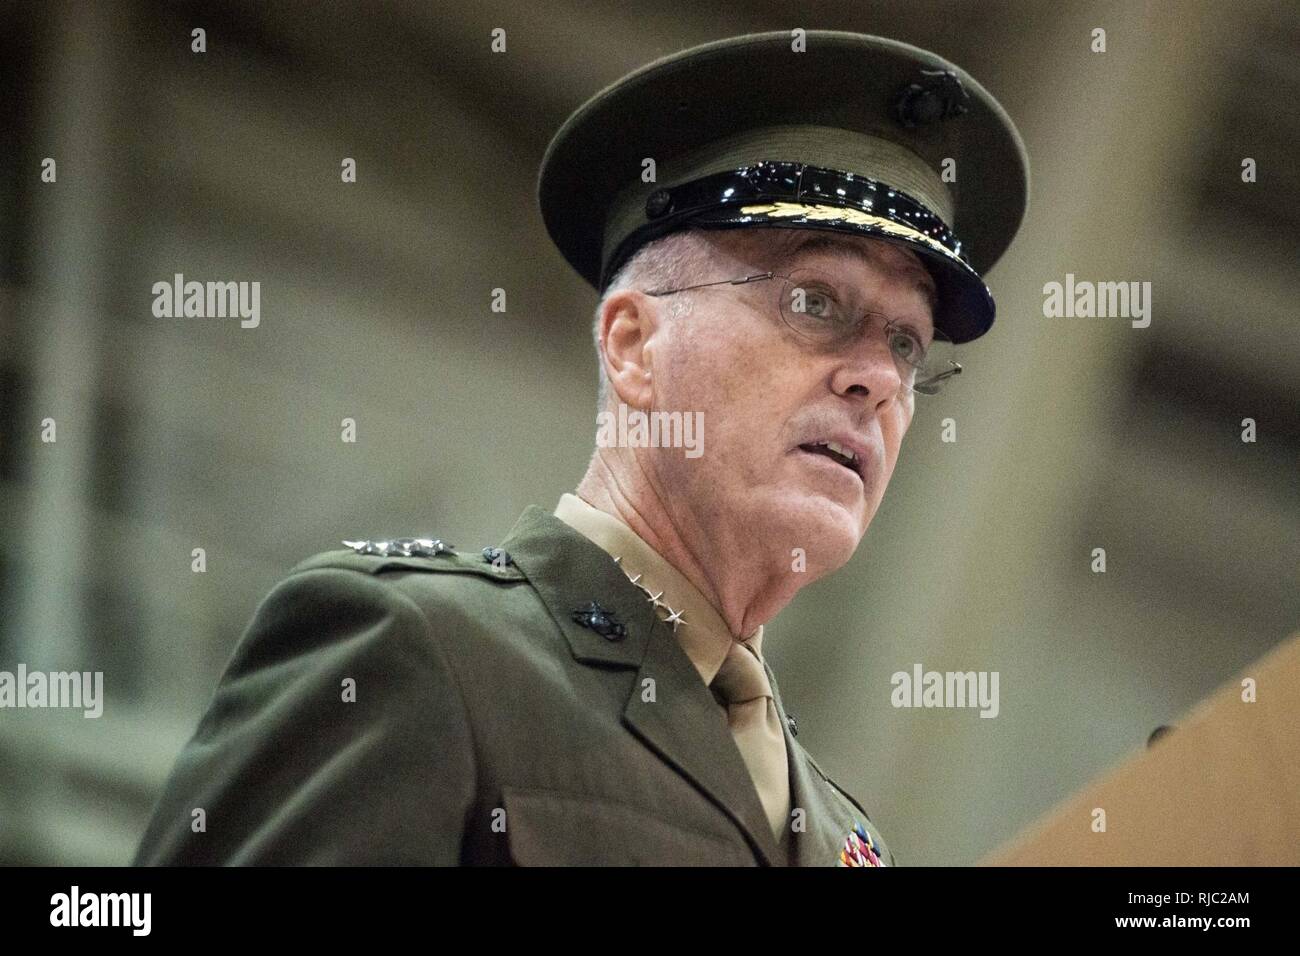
(452, 709)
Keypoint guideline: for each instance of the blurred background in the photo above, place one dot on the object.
(1072, 434)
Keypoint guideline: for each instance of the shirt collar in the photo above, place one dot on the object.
(703, 634)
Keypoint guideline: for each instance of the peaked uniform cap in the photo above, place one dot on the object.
(856, 134)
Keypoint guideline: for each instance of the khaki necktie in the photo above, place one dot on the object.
(742, 684)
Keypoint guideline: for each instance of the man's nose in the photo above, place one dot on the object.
(868, 370)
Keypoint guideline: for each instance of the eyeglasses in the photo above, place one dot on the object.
(815, 307)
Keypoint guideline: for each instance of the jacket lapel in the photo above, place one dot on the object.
(683, 724)
(820, 842)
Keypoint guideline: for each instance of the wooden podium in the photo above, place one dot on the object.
(1221, 789)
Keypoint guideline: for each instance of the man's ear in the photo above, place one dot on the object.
(628, 321)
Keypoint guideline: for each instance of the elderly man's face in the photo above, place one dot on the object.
(770, 400)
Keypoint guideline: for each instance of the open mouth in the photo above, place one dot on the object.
(836, 453)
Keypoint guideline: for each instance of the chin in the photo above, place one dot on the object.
(827, 529)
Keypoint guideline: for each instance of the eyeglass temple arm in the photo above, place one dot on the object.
(930, 385)
(702, 285)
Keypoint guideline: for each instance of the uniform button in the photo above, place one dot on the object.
(660, 202)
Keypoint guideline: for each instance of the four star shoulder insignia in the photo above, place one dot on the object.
(402, 547)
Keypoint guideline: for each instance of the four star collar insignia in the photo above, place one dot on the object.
(606, 623)
(673, 617)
